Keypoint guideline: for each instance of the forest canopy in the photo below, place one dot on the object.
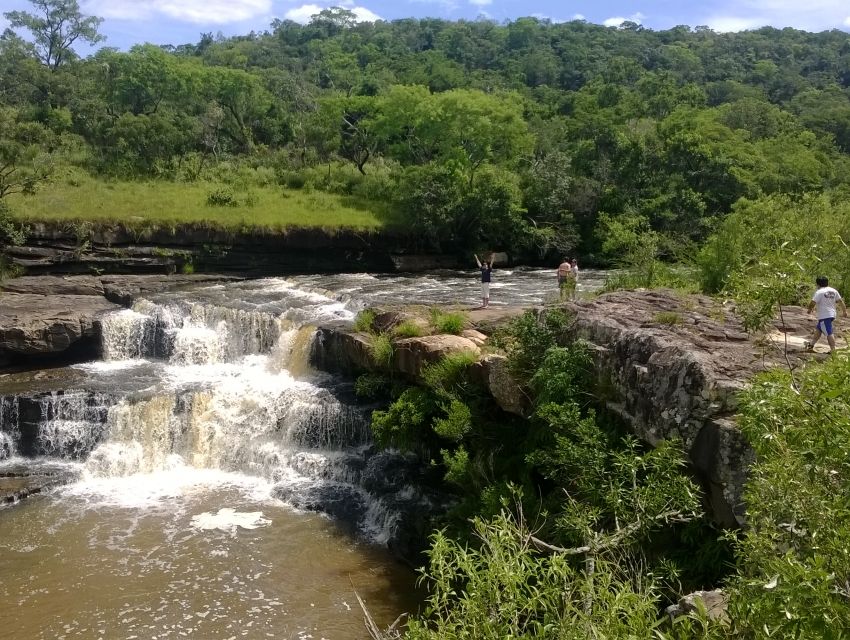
(528, 135)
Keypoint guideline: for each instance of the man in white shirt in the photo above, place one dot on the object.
(825, 300)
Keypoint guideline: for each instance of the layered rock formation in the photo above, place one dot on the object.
(44, 318)
(114, 248)
(671, 367)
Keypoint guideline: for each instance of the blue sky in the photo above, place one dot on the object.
(180, 21)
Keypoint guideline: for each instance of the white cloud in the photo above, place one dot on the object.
(480, 3)
(194, 11)
(303, 13)
(579, 16)
(616, 21)
(811, 15)
(364, 15)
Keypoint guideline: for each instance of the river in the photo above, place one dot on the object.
(221, 487)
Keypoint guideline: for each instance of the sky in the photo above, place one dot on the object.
(128, 22)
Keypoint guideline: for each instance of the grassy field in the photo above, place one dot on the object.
(166, 204)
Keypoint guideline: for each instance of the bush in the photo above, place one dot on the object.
(381, 350)
(451, 322)
(456, 424)
(449, 377)
(404, 424)
(530, 336)
(365, 321)
(792, 557)
(372, 386)
(222, 197)
(670, 318)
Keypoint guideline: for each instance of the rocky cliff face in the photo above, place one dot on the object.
(669, 366)
(82, 249)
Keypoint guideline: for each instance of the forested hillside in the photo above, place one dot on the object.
(538, 137)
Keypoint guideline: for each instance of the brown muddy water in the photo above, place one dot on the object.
(156, 557)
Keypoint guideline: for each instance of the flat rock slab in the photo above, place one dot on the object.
(44, 316)
(21, 480)
(33, 324)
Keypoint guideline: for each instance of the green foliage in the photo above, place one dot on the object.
(503, 588)
(372, 386)
(769, 252)
(11, 232)
(457, 422)
(365, 321)
(449, 376)
(407, 329)
(405, 423)
(451, 322)
(222, 197)
(457, 466)
(530, 336)
(563, 374)
(671, 318)
(793, 560)
(381, 349)
(56, 26)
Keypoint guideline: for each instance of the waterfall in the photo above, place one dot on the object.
(225, 385)
(9, 426)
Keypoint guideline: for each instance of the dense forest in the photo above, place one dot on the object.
(531, 136)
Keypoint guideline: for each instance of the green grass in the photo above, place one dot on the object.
(168, 204)
(453, 322)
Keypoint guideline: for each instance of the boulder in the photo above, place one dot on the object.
(413, 354)
(714, 602)
(504, 388)
(41, 325)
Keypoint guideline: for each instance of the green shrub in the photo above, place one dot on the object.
(365, 321)
(456, 424)
(372, 386)
(530, 336)
(381, 350)
(451, 322)
(404, 424)
(449, 376)
(457, 466)
(793, 560)
(222, 197)
(407, 329)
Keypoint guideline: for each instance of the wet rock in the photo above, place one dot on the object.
(343, 502)
(44, 318)
(44, 325)
(22, 480)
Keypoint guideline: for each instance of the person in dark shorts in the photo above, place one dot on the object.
(824, 301)
(486, 268)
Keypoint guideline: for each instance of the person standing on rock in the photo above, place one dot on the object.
(486, 268)
(825, 300)
(574, 271)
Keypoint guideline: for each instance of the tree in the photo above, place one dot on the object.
(56, 26)
(23, 161)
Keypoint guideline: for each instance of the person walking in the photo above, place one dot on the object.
(486, 268)
(824, 301)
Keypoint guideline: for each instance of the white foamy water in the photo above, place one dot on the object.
(230, 520)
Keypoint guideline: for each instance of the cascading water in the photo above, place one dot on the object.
(191, 437)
